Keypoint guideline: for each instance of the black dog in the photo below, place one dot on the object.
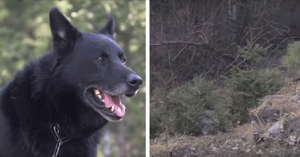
(64, 98)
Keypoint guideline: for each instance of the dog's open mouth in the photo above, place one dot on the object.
(109, 106)
(113, 103)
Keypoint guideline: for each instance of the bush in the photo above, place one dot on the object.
(247, 87)
(158, 112)
(292, 59)
(254, 54)
(196, 108)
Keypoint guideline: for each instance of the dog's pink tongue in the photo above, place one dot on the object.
(114, 101)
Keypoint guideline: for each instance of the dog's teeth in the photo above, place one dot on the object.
(99, 96)
(136, 92)
(97, 92)
(119, 110)
(112, 108)
(124, 107)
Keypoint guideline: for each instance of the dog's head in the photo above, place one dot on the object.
(94, 64)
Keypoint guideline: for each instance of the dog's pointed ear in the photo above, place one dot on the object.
(63, 32)
(109, 28)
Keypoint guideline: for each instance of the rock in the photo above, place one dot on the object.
(276, 128)
(292, 140)
(248, 150)
(260, 152)
(206, 124)
(269, 115)
(253, 122)
(296, 97)
(293, 127)
(210, 123)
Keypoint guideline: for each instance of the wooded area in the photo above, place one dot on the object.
(25, 35)
(212, 62)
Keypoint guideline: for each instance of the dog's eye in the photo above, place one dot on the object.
(100, 59)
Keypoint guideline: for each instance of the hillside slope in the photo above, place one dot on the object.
(274, 131)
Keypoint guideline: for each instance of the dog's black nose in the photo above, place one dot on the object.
(135, 80)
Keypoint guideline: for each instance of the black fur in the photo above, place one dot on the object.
(51, 90)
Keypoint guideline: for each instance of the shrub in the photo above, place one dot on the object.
(292, 59)
(247, 87)
(254, 54)
(196, 106)
(158, 112)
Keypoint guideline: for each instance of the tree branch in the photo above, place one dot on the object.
(187, 43)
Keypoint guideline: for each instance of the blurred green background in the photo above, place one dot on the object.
(25, 35)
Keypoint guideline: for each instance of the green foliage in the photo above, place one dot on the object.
(247, 87)
(253, 53)
(190, 103)
(292, 59)
(196, 105)
(158, 112)
(25, 35)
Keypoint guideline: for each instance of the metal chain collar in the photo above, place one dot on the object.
(59, 140)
